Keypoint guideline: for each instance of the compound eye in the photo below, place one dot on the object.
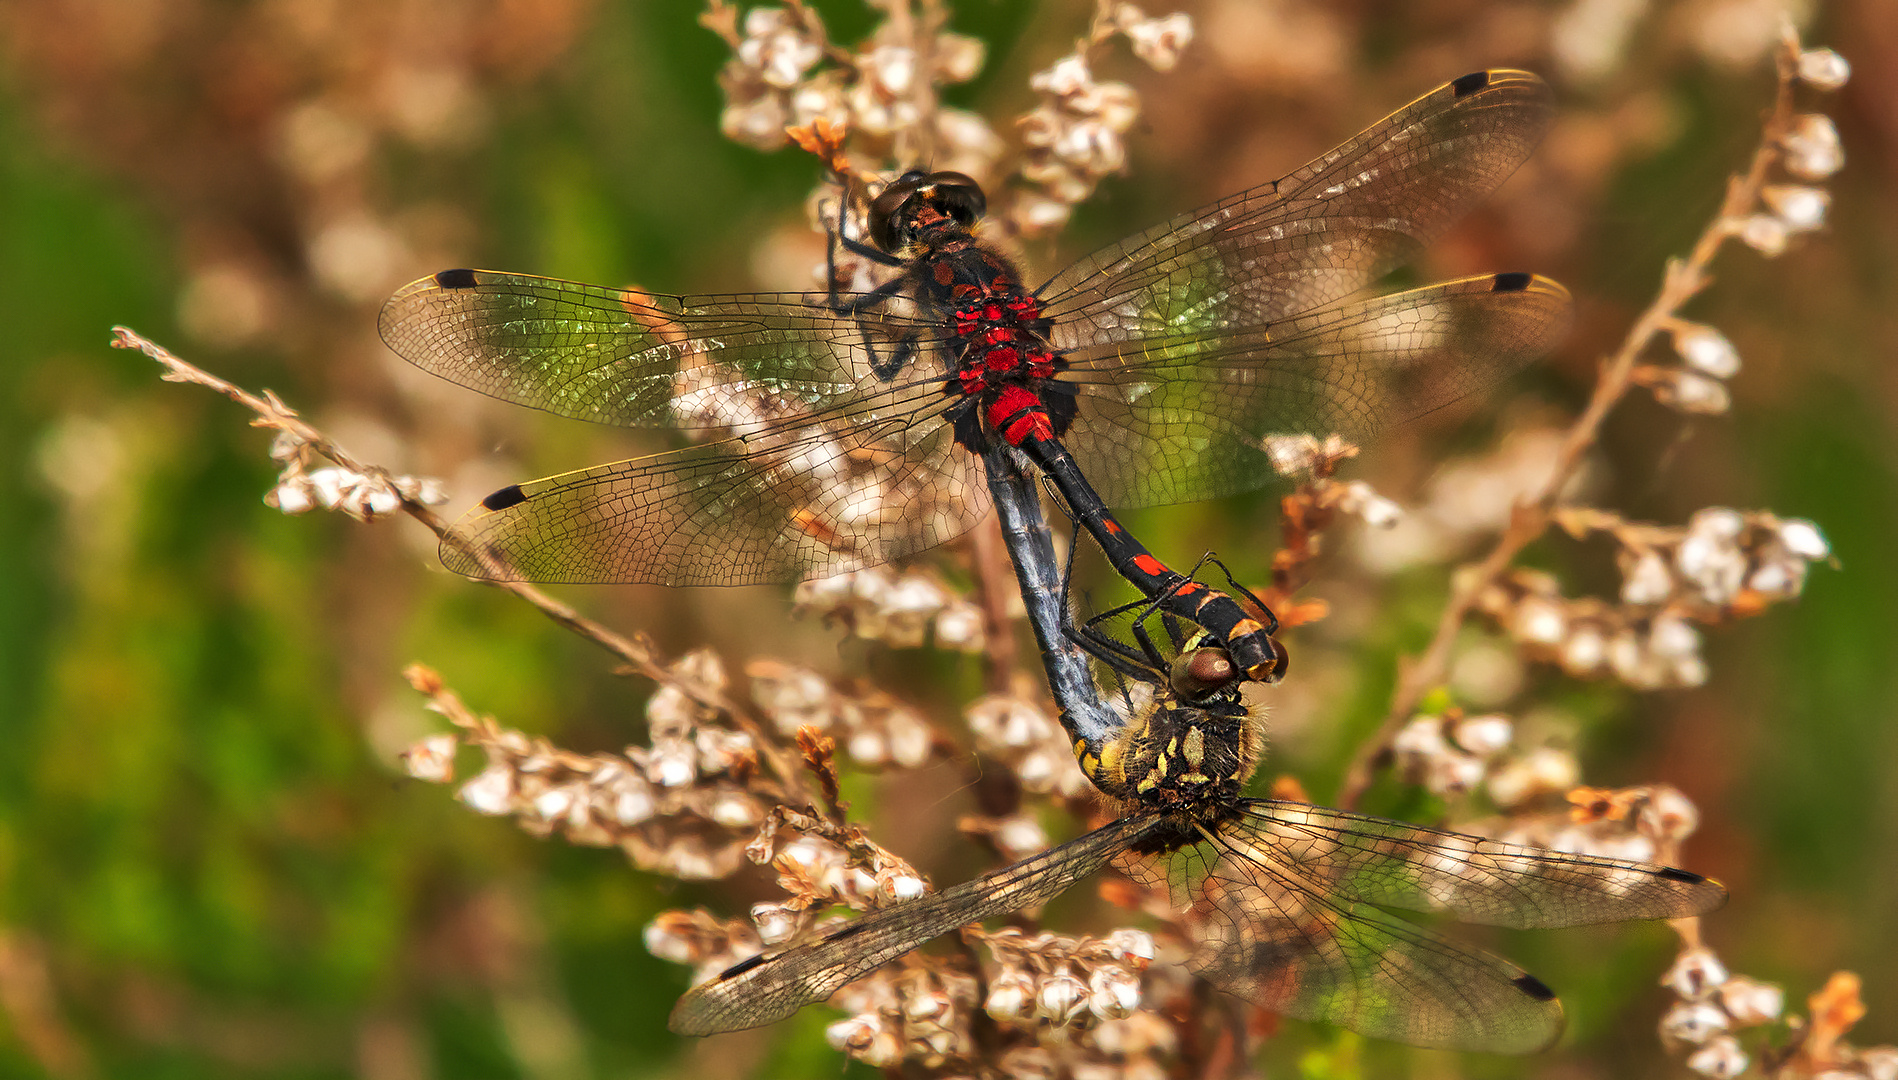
(1201, 672)
(959, 196)
(888, 210)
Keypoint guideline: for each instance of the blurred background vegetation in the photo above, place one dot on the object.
(210, 864)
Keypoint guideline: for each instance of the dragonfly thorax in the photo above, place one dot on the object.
(1182, 755)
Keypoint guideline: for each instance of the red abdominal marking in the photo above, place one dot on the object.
(1018, 415)
(1150, 565)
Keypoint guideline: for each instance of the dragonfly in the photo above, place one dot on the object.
(840, 430)
(1285, 901)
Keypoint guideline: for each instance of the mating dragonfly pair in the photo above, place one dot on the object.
(847, 429)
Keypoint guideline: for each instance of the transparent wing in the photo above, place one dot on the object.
(1321, 233)
(1279, 898)
(1396, 864)
(635, 359)
(823, 466)
(778, 505)
(1178, 416)
(766, 989)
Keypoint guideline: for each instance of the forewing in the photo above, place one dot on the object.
(632, 358)
(1317, 235)
(1477, 880)
(1180, 415)
(783, 504)
(760, 991)
(1262, 933)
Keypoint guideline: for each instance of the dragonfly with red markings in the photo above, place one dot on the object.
(838, 431)
(1283, 903)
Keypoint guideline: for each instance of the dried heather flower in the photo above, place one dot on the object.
(1800, 207)
(1766, 234)
(1693, 1022)
(1158, 41)
(1823, 69)
(1813, 149)
(1695, 974)
(1751, 1002)
(1706, 350)
(432, 759)
(1721, 1058)
(1692, 392)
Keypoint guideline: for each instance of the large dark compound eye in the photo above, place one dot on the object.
(888, 204)
(894, 213)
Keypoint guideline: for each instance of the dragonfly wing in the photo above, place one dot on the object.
(1180, 415)
(1263, 933)
(1477, 880)
(1320, 234)
(762, 990)
(639, 359)
(778, 505)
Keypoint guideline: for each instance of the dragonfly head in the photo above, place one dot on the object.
(916, 200)
(1197, 674)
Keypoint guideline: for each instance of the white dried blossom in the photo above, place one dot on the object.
(1585, 651)
(432, 759)
(1813, 149)
(1011, 996)
(491, 792)
(1801, 207)
(1692, 392)
(1802, 538)
(1291, 455)
(776, 923)
(1823, 69)
(1667, 815)
(1721, 1058)
(1693, 1022)
(960, 626)
(1484, 735)
(1766, 234)
(1113, 992)
(1539, 621)
(1541, 771)
(1006, 722)
(1706, 350)
(1695, 974)
(1751, 1002)
(777, 48)
(1061, 998)
(868, 1039)
(1879, 1062)
(1377, 511)
(1422, 738)
(1158, 41)
(1646, 579)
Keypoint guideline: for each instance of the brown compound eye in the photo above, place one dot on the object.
(1200, 672)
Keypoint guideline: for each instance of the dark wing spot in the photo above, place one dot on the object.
(1471, 83)
(1512, 282)
(1687, 876)
(456, 279)
(511, 495)
(1534, 987)
(741, 967)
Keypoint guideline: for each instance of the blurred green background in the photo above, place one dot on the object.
(211, 866)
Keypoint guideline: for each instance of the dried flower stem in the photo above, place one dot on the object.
(274, 415)
(1531, 517)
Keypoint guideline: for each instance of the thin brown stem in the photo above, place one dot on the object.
(638, 654)
(1529, 519)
